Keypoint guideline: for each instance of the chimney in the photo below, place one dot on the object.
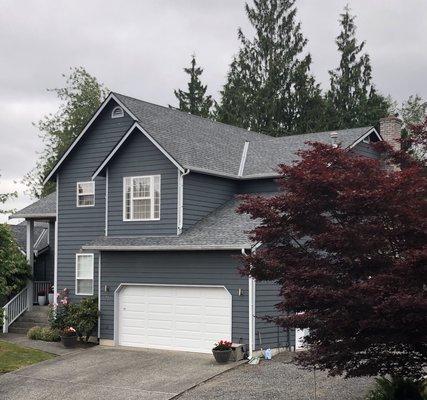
(391, 130)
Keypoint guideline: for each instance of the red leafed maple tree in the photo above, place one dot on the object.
(346, 240)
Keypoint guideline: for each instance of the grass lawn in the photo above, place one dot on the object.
(13, 356)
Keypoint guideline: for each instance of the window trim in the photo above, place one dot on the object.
(125, 219)
(77, 194)
(121, 115)
(92, 256)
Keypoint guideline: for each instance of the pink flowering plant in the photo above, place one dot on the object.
(69, 331)
(59, 315)
(222, 345)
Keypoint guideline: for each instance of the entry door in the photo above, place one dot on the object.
(187, 318)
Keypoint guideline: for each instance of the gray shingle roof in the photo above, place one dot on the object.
(204, 145)
(195, 142)
(264, 156)
(222, 229)
(43, 208)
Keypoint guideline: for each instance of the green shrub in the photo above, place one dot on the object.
(398, 389)
(43, 333)
(82, 316)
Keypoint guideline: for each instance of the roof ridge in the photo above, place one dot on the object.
(271, 139)
(191, 115)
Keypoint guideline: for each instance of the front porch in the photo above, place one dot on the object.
(40, 252)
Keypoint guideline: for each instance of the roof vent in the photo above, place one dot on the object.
(334, 137)
(117, 112)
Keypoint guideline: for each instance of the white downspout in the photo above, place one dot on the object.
(55, 258)
(251, 309)
(99, 296)
(180, 211)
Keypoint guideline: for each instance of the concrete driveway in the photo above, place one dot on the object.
(111, 373)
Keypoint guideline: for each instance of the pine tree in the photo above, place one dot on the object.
(269, 87)
(352, 99)
(194, 100)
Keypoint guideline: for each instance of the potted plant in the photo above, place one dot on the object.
(50, 295)
(222, 351)
(69, 337)
(41, 297)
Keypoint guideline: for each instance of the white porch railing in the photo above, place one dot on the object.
(40, 286)
(14, 308)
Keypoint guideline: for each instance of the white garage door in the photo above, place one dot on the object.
(188, 318)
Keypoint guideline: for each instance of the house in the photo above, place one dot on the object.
(144, 214)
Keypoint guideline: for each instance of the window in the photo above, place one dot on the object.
(85, 194)
(141, 198)
(84, 274)
(117, 112)
(367, 139)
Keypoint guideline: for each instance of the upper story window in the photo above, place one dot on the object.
(141, 198)
(84, 274)
(117, 112)
(85, 194)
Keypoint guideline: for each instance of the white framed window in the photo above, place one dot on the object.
(117, 112)
(141, 198)
(84, 274)
(85, 194)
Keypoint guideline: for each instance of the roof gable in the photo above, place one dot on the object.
(207, 146)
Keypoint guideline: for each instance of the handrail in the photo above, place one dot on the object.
(14, 308)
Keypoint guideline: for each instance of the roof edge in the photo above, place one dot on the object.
(33, 216)
(167, 248)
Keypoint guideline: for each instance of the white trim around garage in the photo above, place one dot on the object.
(123, 285)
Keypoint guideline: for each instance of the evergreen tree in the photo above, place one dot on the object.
(80, 99)
(269, 87)
(352, 99)
(194, 100)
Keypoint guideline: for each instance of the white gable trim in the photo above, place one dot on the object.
(124, 138)
(110, 97)
(372, 130)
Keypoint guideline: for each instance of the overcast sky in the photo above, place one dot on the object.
(139, 47)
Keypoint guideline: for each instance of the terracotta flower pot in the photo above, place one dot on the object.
(222, 356)
(69, 341)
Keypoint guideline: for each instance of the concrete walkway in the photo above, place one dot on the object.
(111, 373)
(49, 347)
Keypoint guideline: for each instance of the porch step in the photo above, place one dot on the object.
(38, 316)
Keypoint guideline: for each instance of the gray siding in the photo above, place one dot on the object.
(365, 149)
(267, 334)
(138, 156)
(258, 186)
(203, 194)
(77, 226)
(192, 268)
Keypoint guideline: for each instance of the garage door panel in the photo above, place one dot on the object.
(174, 317)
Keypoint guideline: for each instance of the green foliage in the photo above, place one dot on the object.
(83, 316)
(194, 100)
(352, 99)
(269, 87)
(398, 389)
(14, 269)
(43, 333)
(79, 100)
(5, 197)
